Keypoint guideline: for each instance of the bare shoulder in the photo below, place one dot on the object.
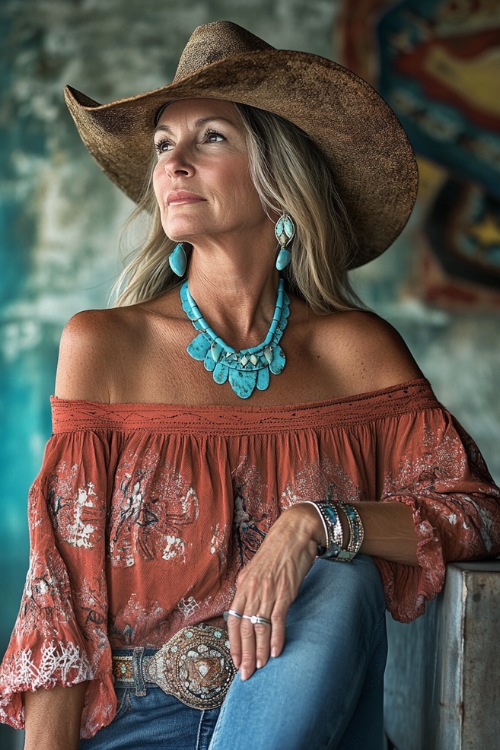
(364, 351)
(89, 353)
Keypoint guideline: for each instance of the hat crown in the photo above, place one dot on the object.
(216, 41)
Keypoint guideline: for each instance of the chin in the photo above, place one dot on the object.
(178, 232)
(182, 231)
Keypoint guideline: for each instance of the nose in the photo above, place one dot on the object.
(179, 163)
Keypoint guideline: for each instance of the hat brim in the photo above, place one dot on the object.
(357, 131)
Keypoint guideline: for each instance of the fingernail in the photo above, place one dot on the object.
(274, 652)
(259, 664)
(243, 674)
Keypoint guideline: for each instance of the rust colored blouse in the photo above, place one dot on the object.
(143, 514)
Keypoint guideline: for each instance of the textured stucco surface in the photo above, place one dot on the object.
(60, 219)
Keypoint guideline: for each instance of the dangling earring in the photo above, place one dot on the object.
(285, 232)
(177, 260)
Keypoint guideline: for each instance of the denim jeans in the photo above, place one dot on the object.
(325, 691)
(155, 720)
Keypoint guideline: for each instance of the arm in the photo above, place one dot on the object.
(86, 355)
(270, 582)
(53, 718)
(59, 649)
(348, 348)
(389, 532)
(425, 506)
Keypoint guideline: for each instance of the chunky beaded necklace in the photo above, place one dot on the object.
(245, 369)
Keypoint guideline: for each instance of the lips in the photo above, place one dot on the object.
(177, 197)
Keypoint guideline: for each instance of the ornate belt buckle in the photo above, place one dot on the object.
(194, 665)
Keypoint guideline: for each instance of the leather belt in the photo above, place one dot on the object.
(194, 665)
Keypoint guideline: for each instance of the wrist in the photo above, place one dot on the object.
(314, 524)
(343, 528)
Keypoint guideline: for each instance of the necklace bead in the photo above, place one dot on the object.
(245, 369)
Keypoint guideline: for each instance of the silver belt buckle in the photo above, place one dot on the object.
(194, 665)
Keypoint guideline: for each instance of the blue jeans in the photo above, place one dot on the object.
(155, 720)
(325, 691)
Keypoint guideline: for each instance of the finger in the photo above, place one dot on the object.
(263, 630)
(247, 602)
(233, 628)
(278, 620)
(262, 642)
(248, 648)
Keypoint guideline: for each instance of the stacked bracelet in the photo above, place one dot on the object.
(356, 532)
(334, 534)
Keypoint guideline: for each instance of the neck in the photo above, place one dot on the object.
(235, 289)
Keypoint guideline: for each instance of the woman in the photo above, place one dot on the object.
(165, 501)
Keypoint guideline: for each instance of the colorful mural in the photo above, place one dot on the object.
(437, 63)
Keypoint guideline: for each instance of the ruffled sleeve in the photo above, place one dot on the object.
(427, 461)
(60, 636)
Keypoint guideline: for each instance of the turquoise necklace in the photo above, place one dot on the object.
(246, 369)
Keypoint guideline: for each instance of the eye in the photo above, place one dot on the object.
(212, 136)
(162, 145)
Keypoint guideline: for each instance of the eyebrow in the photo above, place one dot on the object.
(198, 123)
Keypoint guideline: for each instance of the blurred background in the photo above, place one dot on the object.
(437, 63)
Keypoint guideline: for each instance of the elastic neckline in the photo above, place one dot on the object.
(167, 419)
(304, 405)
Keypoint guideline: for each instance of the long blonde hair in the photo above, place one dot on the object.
(289, 173)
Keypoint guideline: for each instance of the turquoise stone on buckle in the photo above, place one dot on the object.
(244, 369)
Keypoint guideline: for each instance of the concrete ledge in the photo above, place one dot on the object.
(442, 685)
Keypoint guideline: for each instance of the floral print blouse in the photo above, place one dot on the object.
(143, 514)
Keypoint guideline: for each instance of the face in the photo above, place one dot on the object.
(201, 180)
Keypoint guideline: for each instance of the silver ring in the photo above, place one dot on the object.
(232, 612)
(256, 619)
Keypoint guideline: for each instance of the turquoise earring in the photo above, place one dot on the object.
(177, 260)
(285, 232)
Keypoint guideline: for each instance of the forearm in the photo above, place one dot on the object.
(270, 582)
(53, 718)
(389, 530)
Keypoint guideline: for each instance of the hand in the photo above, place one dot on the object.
(269, 584)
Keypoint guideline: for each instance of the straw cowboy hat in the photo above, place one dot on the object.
(356, 130)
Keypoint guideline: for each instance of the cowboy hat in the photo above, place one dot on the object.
(356, 130)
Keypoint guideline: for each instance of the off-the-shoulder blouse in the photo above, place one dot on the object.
(143, 514)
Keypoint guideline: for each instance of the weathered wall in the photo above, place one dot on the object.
(60, 219)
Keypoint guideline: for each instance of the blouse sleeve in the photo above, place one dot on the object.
(60, 635)
(427, 461)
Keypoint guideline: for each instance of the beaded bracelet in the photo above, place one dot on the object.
(336, 538)
(334, 535)
(333, 529)
(356, 532)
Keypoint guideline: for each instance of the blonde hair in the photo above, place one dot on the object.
(289, 173)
